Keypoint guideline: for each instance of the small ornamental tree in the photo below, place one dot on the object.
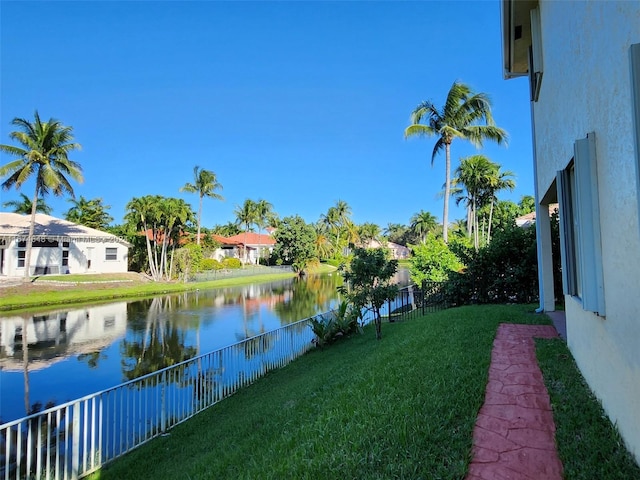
(295, 243)
(368, 282)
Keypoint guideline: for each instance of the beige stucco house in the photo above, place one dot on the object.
(59, 247)
(582, 59)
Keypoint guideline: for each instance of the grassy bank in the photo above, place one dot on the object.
(588, 444)
(402, 407)
(44, 292)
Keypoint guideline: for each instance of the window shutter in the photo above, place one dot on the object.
(590, 251)
(567, 242)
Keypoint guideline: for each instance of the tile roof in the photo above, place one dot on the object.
(251, 238)
(14, 225)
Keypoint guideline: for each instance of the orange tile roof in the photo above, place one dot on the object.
(252, 238)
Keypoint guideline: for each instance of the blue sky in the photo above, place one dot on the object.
(298, 103)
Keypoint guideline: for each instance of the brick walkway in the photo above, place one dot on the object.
(514, 436)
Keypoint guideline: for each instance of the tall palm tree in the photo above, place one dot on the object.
(459, 118)
(205, 184)
(498, 181)
(264, 214)
(475, 173)
(422, 223)
(246, 216)
(44, 155)
(24, 205)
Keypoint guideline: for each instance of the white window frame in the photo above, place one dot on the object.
(107, 254)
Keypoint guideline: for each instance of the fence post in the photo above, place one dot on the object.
(75, 442)
(424, 294)
(163, 415)
(389, 310)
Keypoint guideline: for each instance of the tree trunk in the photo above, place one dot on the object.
(475, 221)
(378, 322)
(447, 192)
(199, 220)
(490, 220)
(32, 226)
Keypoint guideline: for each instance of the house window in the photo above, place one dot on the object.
(21, 258)
(111, 253)
(582, 275)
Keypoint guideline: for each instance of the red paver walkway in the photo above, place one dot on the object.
(514, 436)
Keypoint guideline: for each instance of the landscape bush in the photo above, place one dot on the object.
(208, 264)
(230, 262)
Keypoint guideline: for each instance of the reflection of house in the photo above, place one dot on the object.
(56, 336)
(583, 63)
(59, 246)
(257, 246)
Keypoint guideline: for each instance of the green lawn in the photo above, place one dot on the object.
(403, 407)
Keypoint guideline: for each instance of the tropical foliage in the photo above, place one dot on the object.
(162, 221)
(90, 213)
(24, 206)
(295, 243)
(205, 184)
(44, 157)
(433, 261)
(465, 115)
(368, 282)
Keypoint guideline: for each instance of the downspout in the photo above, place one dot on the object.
(540, 308)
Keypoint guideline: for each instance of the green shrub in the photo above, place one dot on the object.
(208, 264)
(505, 271)
(433, 261)
(230, 262)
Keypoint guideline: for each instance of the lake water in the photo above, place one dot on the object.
(73, 352)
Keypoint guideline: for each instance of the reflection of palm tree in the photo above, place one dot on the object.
(162, 344)
(25, 361)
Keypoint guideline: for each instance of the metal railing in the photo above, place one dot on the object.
(74, 439)
(238, 272)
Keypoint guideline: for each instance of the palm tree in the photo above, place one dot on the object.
(204, 184)
(498, 181)
(246, 216)
(422, 223)
(264, 214)
(90, 213)
(45, 156)
(23, 206)
(475, 174)
(458, 118)
(367, 232)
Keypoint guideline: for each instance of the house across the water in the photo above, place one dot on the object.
(58, 247)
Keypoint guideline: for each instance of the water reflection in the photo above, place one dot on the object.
(65, 354)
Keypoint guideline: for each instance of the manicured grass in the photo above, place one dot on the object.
(403, 407)
(588, 444)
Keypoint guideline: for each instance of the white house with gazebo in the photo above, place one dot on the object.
(58, 247)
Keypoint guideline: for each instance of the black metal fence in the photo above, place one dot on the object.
(414, 300)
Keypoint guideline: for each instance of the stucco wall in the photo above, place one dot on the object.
(78, 256)
(586, 88)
